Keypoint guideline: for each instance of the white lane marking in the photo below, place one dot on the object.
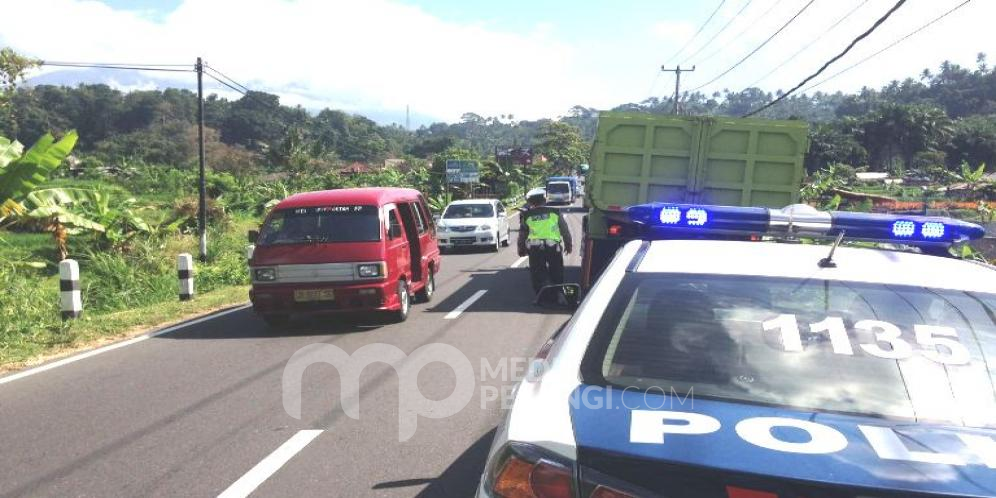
(466, 304)
(111, 347)
(270, 465)
(519, 262)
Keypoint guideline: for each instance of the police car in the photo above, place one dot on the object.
(707, 368)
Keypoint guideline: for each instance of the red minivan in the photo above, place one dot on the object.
(362, 249)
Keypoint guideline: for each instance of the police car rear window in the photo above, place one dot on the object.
(822, 345)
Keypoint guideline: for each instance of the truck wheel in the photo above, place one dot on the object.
(405, 298)
(425, 295)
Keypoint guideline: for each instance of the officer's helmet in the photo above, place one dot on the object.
(536, 196)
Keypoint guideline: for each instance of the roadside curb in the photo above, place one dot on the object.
(81, 354)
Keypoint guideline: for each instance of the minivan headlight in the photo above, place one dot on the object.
(370, 270)
(265, 274)
(484, 228)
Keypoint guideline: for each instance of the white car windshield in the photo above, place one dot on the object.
(873, 349)
(456, 211)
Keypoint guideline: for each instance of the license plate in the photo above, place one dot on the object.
(314, 295)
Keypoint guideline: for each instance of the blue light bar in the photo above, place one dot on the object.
(662, 220)
(704, 220)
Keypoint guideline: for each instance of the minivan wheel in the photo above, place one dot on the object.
(497, 245)
(508, 238)
(406, 303)
(425, 295)
(276, 319)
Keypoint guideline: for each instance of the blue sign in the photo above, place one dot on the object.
(462, 171)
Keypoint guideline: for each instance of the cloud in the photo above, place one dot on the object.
(370, 53)
(383, 54)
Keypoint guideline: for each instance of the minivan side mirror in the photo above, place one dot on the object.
(252, 235)
(559, 295)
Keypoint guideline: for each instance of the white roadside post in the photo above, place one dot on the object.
(71, 301)
(185, 274)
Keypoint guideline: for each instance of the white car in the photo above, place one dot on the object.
(474, 223)
(559, 193)
(698, 367)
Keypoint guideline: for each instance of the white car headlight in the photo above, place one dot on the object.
(371, 270)
(441, 228)
(484, 228)
(265, 274)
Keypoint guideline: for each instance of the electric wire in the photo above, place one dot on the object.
(759, 47)
(230, 80)
(721, 30)
(887, 47)
(854, 42)
(106, 66)
(690, 40)
(739, 35)
(810, 44)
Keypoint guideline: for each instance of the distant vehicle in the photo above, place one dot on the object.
(474, 223)
(364, 249)
(572, 180)
(708, 368)
(639, 158)
(559, 192)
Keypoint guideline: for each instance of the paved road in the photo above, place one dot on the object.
(199, 411)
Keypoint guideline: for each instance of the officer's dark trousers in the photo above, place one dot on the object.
(546, 266)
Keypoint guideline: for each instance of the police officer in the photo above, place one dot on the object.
(543, 236)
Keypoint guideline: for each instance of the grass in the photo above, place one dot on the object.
(120, 289)
(94, 329)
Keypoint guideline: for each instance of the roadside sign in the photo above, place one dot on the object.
(462, 171)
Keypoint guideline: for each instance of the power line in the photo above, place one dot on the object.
(810, 44)
(742, 32)
(108, 66)
(759, 47)
(115, 64)
(697, 33)
(230, 80)
(223, 82)
(854, 42)
(887, 47)
(721, 30)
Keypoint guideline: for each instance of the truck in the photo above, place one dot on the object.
(641, 158)
(572, 180)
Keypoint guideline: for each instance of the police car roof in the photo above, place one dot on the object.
(800, 261)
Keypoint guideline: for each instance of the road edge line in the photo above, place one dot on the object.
(117, 345)
(268, 466)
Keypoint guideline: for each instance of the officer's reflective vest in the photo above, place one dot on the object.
(544, 227)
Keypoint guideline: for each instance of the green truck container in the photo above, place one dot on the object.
(640, 158)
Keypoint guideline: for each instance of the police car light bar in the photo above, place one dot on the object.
(676, 220)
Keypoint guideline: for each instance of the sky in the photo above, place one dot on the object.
(527, 58)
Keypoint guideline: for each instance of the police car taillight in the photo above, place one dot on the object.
(737, 492)
(677, 220)
(520, 478)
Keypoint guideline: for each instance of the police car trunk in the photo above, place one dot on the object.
(700, 368)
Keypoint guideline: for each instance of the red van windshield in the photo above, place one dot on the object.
(322, 224)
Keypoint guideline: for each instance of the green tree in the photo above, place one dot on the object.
(563, 146)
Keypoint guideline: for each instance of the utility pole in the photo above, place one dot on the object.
(677, 82)
(202, 201)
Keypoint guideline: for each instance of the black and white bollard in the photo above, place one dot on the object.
(185, 274)
(71, 300)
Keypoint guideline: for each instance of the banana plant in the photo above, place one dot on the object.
(22, 172)
(50, 210)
